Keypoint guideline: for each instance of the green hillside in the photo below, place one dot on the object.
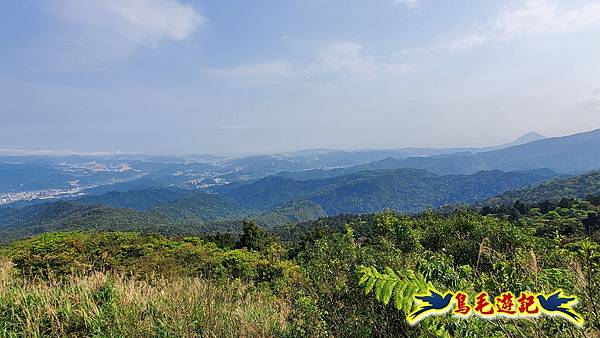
(138, 199)
(201, 206)
(198, 214)
(406, 190)
(283, 215)
(68, 216)
(553, 190)
(289, 213)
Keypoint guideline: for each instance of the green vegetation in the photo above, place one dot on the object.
(113, 305)
(139, 199)
(290, 213)
(272, 284)
(553, 190)
(197, 214)
(271, 202)
(69, 216)
(404, 190)
(84, 252)
(201, 206)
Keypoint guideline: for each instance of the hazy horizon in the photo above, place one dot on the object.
(208, 77)
(100, 153)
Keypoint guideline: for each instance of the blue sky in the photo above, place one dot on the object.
(225, 77)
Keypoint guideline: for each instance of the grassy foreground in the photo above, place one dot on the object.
(101, 304)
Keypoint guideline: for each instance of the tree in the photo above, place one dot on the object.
(521, 207)
(566, 202)
(594, 199)
(547, 206)
(592, 223)
(253, 237)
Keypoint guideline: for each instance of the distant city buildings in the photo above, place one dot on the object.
(95, 167)
(6, 198)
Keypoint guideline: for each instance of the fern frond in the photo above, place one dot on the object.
(391, 284)
(399, 295)
(388, 289)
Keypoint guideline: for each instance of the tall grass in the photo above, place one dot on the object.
(112, 305)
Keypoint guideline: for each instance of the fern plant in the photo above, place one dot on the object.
(401, 287)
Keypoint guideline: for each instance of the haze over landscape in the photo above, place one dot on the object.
(314, 168)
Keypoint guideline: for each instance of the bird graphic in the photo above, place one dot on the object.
(557, 304)
(432, 303)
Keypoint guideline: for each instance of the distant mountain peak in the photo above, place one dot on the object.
(529, 137)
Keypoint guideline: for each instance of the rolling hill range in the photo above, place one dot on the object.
(386, 163)
(405, 190)
(194, 214)
(201, 206)
(122, 172)
(290, 213)
(271, 201)
(162, 201)
(569, 154)
(573, 187)
(69, 216)
(282, 215)
(140, 199)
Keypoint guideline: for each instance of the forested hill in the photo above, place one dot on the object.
(69, 216)
(553, 190)
(193, 215)
(202, 206)
(405, 190)
(139, 199)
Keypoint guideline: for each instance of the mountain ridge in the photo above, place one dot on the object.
(404, 190)
(575, 153)
(580, 187)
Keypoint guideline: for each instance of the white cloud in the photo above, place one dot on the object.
(348, 58)
(534, 17)
(344, 57)
(408, 3)
(542, 17)
(336, 58)
(102, 30)
(467, 42)
(531, 18)
(143, 21)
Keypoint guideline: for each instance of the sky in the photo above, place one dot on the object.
(235, 77)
